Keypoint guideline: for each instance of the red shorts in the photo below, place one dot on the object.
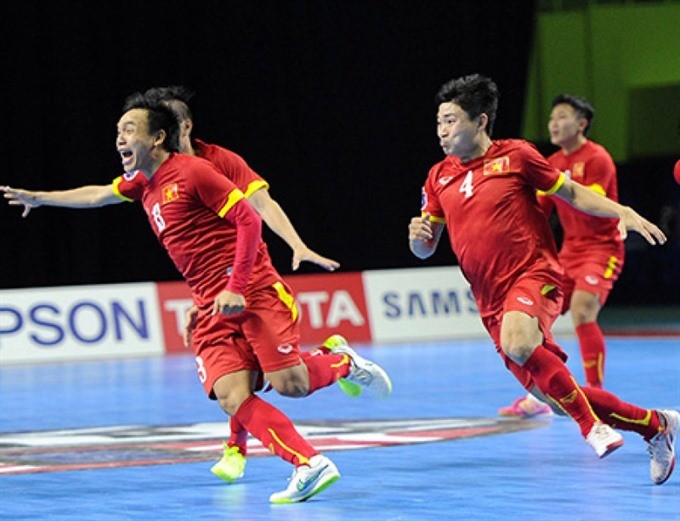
(264, 337)
(537, 299)
(594, 272)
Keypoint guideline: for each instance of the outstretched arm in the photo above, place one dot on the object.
(91, 196)
(589, 201)
(272, 214)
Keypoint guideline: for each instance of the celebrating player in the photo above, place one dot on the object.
(247, 319)
(484, 193)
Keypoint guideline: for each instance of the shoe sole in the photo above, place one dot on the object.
(611, 448)
(323, 486)
(349, 388)
(670, 472)
(229, 479)
(673, 428)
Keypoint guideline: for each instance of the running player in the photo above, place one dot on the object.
(247, 315)
(484, 193)
(592, 251)
(232, 463)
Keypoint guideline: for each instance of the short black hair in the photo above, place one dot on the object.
(160, 117)
(582, 106)
(475, 94)
(177, 96)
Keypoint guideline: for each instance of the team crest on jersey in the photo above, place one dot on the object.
(170, 193)
(499, 165)
(129, 176)
(579, 170)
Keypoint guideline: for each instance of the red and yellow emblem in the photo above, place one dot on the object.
(499, 165)
(170, 193)
(579, 170)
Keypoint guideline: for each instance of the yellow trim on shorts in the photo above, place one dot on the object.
(234, 197)
(547, 289)
(611, 267)
(114, 188)
(286, 298)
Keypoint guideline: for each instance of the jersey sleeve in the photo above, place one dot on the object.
(129, 187)
(222, 196)
(214, 190)
(430, 202)
(539, 173)
(601, 174)
(238, 171)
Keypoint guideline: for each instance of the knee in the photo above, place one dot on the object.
(230, 400)
(584, 309)
(517, 349)
(519, 342)
(292, 382)
(293, 387)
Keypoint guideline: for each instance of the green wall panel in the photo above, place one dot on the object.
(625, 59)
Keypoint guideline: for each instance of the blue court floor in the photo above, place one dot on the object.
(135, 439)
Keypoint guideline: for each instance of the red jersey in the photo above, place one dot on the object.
(235, 168)
(186, 202)
(594, 168)
(231, 165)
(494, 222)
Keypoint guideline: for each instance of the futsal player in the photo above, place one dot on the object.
(246, 319)
(484, 193)
(592, 251)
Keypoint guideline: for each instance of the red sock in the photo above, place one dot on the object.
(239, 435)
(324, 369)
(623, 415)
(275, 430)
(321, 350)
(593, 351)
(553, 378)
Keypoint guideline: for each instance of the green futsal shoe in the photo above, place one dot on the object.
(231, 465)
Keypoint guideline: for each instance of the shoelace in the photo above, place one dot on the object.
(657, 446)
(362, 376)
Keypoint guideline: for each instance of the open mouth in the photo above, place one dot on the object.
(126, 155)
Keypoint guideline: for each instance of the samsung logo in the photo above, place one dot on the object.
(435, 303)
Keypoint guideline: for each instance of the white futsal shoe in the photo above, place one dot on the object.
(363, 373)
(662, 448)
(308, 480)
(604, 439)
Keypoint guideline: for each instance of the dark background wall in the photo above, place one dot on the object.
(330, 100)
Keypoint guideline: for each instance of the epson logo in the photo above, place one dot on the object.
(50, 324)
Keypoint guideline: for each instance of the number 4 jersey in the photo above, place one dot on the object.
(494, 222)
